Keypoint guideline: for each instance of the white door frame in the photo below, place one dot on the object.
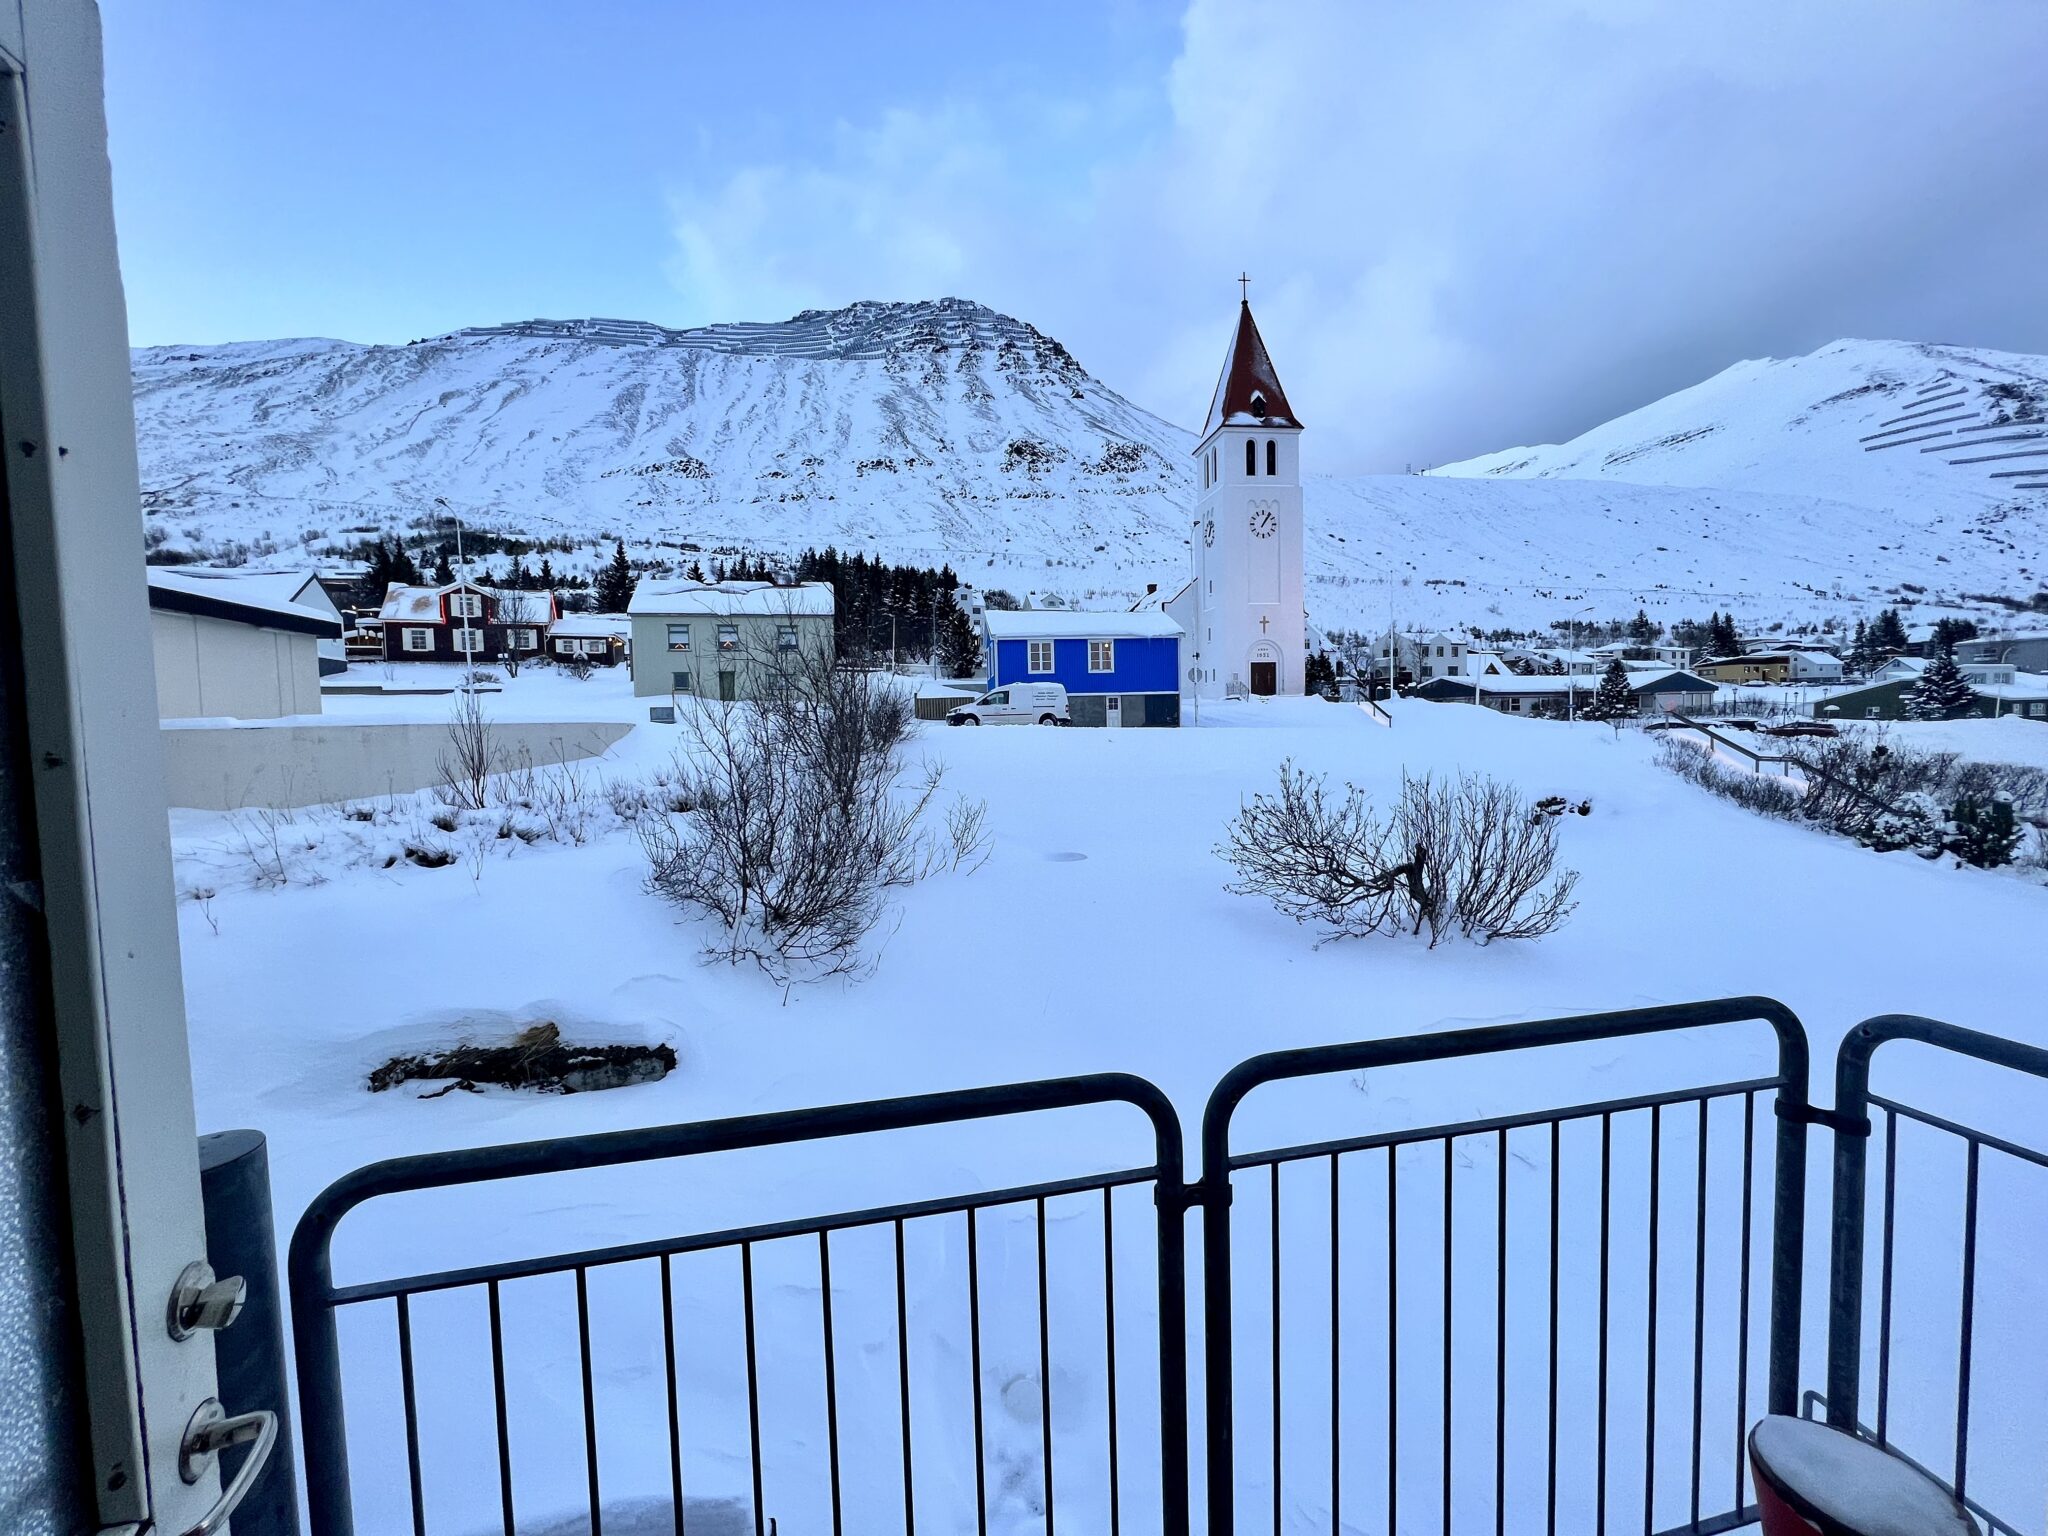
(117, 992)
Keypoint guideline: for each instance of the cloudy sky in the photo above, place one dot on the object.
(1468, 225)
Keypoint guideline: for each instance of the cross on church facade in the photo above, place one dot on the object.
(1263, 622)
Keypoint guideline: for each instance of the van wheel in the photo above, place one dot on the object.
(1048, 720)
(971, 720)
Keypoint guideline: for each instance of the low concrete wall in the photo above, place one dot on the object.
(223, 767)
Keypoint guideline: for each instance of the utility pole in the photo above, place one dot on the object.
(462, 575)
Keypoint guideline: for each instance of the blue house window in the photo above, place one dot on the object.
(1101, 655)
(1038, 656)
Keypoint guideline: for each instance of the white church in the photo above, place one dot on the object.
(1241, 615)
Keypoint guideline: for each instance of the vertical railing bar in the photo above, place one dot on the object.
(675, 1407)
(1273, 1224)
(1336, 1353)
(1884, 1303)
(1393, 1345)
(1500, 1338)
(1550, 1493)
(1650, 1327)
(974, 1367)
(832, 1374)
(1742, 1319)
(753, 1383)
(412, 1422)
(1600, 1416)
(1447, 1336)
(1044, 1370)
(498, 1404)
(1699, 1305)
(903, 1378)
(589, 1400)
(1969, 1310)
(1109, 1345)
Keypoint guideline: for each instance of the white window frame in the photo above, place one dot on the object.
(1107, 655)
(728, 637)
(469, 641)
(682, 646)
(785, 637)
(1033, 654)
(524, 640)
(564, 645)
(416, 639)
(465, 605)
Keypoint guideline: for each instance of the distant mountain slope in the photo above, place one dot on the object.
(944, 431)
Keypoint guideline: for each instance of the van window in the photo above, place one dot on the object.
(1001, 696)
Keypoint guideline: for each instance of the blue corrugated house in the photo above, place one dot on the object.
(1117, 668)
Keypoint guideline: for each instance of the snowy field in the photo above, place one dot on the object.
(1098, 936)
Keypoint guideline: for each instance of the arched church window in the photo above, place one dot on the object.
(1251, 457)
(1272, 457)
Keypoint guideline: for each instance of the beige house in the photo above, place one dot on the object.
(238, 647)
(724, 640)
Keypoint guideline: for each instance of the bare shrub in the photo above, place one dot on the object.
(471, 755)
(801, 819)
(1466, 856)
(1782, 798)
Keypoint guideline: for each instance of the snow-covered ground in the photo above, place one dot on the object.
(1097, 937)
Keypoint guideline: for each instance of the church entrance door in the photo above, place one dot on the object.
(1265, 678)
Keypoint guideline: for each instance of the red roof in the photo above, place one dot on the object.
(1248, 391)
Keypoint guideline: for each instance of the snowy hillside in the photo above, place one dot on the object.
(943, 431)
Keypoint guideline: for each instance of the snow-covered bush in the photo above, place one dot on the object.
(1467, 856)
(1914, 822)
(1765, 795)
(802, 819)
(1983, 832)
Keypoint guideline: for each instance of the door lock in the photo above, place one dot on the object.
(200, 1303)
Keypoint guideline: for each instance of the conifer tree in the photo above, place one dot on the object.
(1614, 699)
(1859, 650)
(443, 573)
(1888, 634)
(613, 589)
(959, 645)
(547, 574)
(1942, 692)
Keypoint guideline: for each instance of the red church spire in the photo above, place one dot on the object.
(1248, 391)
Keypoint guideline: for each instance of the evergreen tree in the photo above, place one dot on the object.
(516, 577)
(1983, 832)
(443, 574)
(959, 645)
(1859, 657)
(1643, 630)
(696, 571)
(1951, 631)
(547, 574)
(1888, 634)
(1942, 692)
(613, 588)
(1614, 699)
(1318, 676)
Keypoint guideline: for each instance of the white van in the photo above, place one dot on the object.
(1018, 704)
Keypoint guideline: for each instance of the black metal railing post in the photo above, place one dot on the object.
(1850, 1205)
(315, 1296)
(1213, 1192)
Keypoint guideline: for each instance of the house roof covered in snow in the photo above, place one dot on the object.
(422, 605)
(725, 599)
(1078, 624)
(1666, 680)
(266, 599)
(1248, 391)
(593, 626)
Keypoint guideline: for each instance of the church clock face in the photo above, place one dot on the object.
(1264, 523)
(1209, 533)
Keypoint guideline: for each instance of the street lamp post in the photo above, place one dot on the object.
(1571, 673)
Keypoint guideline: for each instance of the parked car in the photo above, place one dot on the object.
(1018, 704)
(1803, 728)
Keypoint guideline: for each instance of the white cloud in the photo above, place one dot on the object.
(1467, 224)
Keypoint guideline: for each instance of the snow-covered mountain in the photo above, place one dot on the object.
(943, 430)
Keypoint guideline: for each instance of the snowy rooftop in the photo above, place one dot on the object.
(251, 596)
(424, 603)
(1075, 623)
(595, 625)
(726, 598)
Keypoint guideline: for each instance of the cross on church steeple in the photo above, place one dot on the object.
(1244, 288)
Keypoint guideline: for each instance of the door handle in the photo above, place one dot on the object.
(209, 1433)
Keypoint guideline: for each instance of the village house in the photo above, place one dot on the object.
(1656, 691)
(1784, 664)
(2024, 694)
(244, 647)
(602, 639)
(728, 640)
(464, 621)
(1117, 668)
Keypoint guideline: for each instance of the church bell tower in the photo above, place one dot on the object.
(1250, 632)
